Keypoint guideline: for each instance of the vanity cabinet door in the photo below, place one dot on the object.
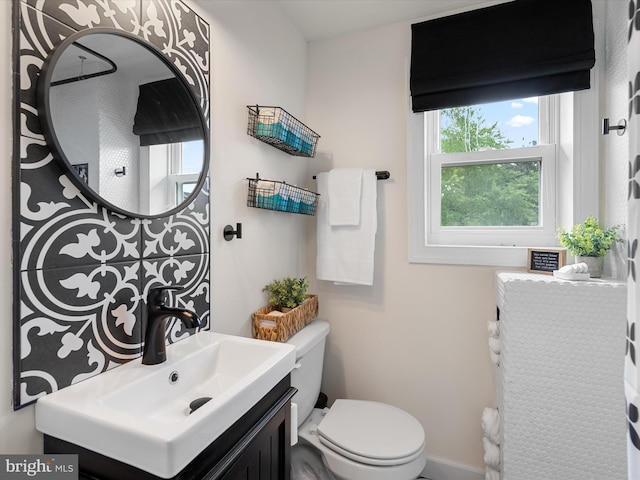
(267, 456)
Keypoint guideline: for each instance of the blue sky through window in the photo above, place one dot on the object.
(192, 156)
(517, 119)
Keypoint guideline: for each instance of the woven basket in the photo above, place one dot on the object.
(287, 324)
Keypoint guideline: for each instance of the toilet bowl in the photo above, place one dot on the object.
(353, 439)
(350, 455)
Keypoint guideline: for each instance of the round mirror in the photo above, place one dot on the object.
(123, 123)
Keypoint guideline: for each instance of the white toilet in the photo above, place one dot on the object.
(354, 439)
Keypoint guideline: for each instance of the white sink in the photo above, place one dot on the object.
(139, 414)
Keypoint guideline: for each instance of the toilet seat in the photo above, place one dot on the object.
(371, 433)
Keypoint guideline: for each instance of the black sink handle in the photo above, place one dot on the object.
(156, 293)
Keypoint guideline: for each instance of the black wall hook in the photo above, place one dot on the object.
(229, 232)
(607, 127)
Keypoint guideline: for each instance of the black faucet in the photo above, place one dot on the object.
(157, 315)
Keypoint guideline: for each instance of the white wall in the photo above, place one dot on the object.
(119, 146)
(257, 57)
(417, 339)
(615, 148)
(93, 125)
(74, 107)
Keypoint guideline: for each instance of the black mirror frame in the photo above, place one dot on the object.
(46, 122)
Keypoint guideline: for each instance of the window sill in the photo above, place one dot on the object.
(469, 255)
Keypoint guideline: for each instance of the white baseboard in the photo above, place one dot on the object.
(441, 469)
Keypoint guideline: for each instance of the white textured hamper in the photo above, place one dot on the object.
(560, 384)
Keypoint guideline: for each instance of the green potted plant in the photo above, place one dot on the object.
(290, 309)
(287, 293)
(589, 243)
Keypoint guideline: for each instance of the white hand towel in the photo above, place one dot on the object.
(491, 454)
(345, 254)
(345, 196)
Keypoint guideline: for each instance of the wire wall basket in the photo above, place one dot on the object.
(280, 129)
(280, 196)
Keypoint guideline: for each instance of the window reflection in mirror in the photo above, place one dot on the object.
(171, 176)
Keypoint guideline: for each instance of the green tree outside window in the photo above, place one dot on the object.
(494, 194)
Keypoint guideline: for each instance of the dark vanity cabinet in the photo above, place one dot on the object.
(256, 447)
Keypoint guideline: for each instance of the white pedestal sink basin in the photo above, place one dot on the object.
(140, 414)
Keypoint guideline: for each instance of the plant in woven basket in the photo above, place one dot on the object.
(587, 239)
(287, 293)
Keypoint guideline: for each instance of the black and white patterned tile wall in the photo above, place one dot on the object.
(82, 273)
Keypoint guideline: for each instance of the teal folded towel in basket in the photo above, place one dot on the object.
(280, 196)
(271, 130)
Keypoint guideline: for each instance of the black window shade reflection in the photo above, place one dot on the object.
(166, 114)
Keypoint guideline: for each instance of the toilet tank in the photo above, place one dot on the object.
(307, 374)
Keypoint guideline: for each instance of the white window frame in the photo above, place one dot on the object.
(542, 234)
(158, 185)
(577, 185)
(177, 178)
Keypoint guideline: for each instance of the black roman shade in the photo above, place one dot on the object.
(166, 114)
(518, 49)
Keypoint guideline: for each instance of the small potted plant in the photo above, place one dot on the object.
(287, 293)
(290, 308)
(589, 243)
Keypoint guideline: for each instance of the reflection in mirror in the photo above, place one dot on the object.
(123, 122)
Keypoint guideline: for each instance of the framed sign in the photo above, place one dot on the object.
(545, 260)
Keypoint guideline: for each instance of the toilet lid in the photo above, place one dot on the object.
(372, 432)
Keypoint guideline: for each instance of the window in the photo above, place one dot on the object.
(186, 161)
(481, 190)
(484, 201)
(453, 65)
(173, 176)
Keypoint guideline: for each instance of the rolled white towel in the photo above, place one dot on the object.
(493, 328)
(491, 454)
(491, 424)
(494, 345)
(575, 268)
(495, 357)
(491, 474)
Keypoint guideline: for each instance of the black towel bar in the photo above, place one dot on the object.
(380, 175)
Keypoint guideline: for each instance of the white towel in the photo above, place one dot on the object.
(491, 454)
(493, 328)
(491, 424)
(491, 474)
(494, 345)
(495, 358)
(345, 253)
(345, 196)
